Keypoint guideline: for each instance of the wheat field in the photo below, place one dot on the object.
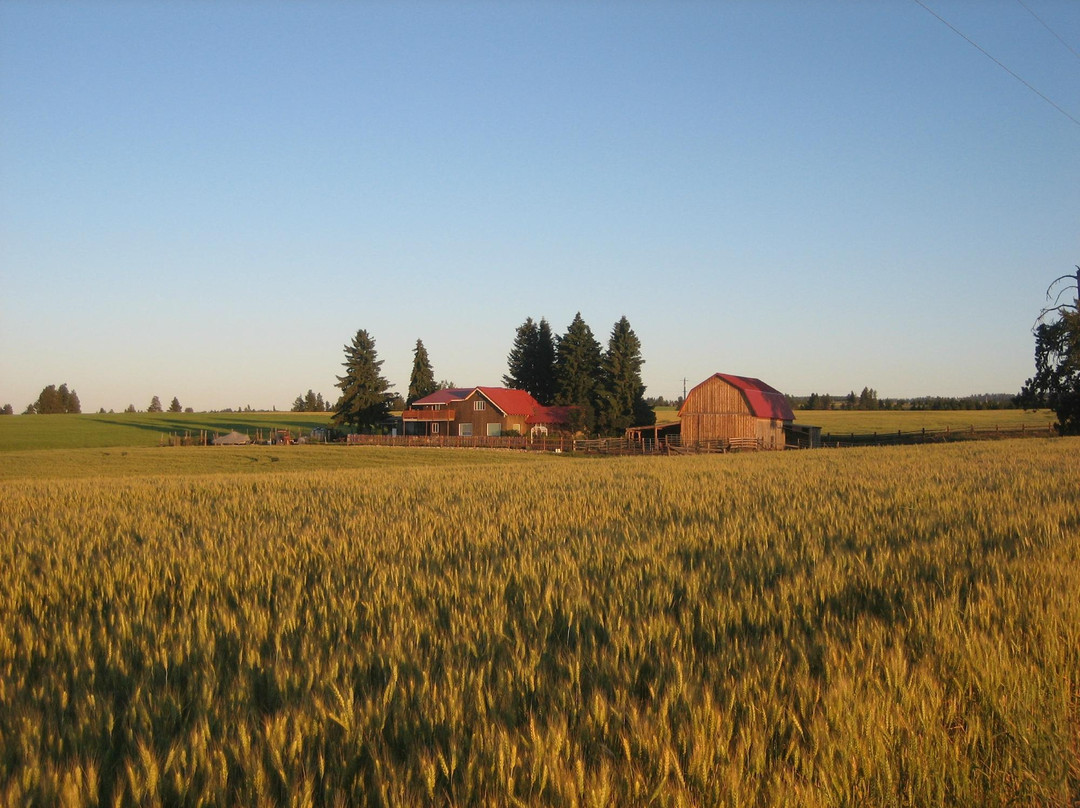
(875, 627)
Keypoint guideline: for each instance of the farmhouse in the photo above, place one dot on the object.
(482, 411)
(736, 409)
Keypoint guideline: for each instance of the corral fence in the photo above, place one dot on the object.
(946, 435)
(606, 446)
(540, 444)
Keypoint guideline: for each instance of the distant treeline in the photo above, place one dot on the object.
(868, 400)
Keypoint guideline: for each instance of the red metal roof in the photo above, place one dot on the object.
(506, 400)
(511, 402)
(444, 396)
(550, 415)
(764, 401)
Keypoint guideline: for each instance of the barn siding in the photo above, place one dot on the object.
(715, 410)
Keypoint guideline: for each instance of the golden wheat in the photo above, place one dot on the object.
(873, 627)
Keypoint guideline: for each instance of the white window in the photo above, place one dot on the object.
(464, 430)
(478, 404)
(434, 429)
(494, 430)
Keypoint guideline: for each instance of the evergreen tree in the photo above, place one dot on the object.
(365, 399)
(155, 405)
(531, 361)
(7, 409)
(422, 378)
(579, 371)
(53, 400)
(175, 405)
(1056, 383)
(521, 358)
(130, 408)
(309, 402)
(544, 364)
(623, 402)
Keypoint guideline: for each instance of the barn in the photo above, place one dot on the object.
(736, 410)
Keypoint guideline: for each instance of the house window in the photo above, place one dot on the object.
(478, 404)
(434, 429)
(465, 430)
(494, 430)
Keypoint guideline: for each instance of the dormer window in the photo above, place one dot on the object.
(478, 404)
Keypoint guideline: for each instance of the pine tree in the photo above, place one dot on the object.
(365, 399)
(521, 358)
(155, 405)
(310, 401)
(422, 378)
(579, 371)
(53, 400)
(531, 361)
(175, 405)
(544, 364)
(623, 402)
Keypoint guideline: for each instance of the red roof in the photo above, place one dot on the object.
(443, 396)
(506, 400)
(550, 415)
(764, 401)
(511, 402)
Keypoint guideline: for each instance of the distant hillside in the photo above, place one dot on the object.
(18, 432)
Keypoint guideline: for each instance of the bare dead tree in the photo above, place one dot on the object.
(1057, 307)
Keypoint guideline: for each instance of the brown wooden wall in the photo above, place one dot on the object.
(715, 410)
(465, 414)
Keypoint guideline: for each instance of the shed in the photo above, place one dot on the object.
(726, 407)
(233, 438)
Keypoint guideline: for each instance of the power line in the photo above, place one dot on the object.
(990, 56)
(1048, 28)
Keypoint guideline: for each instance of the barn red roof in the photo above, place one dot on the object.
(550, 415)
(511, 402)
(764, 401)
(444, 396)
(506, 400)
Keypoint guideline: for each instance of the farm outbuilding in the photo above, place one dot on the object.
(233, 438)
(735, 409)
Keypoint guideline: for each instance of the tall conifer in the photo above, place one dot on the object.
(521, 359)
(544, 364)
(422, 379)
(623, 397)
(365, 399)
(578, 372)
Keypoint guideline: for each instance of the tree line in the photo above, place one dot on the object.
(602, 387)
(868, 400)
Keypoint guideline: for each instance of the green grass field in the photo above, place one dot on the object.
(140, 429)
(866, 421)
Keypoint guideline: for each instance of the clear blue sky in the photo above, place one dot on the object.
(207, 200)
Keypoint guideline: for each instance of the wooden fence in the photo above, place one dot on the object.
(898, 438)
(605, 446)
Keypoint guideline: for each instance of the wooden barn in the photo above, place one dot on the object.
(735, 409)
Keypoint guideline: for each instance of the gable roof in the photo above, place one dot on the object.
(510, 402)
(764, 401)
(504, 399)
(444, 396)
